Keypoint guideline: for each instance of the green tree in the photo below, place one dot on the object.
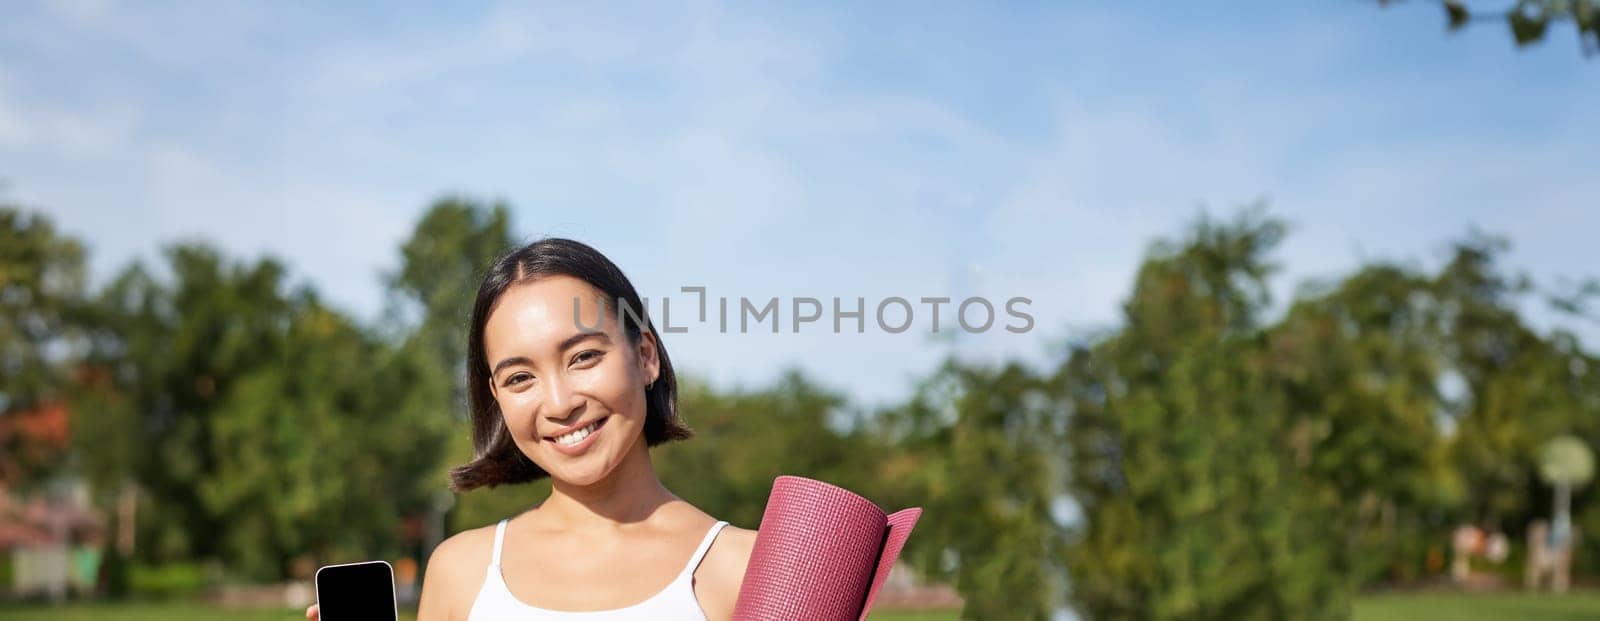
(321, 453)
(440, 266)
(1192, 507)
(1516, 390)
(430, 297)
(1582, 378)
(173, 353)
(978, 447)
(1358, 366)
(42, 278)
(745, 438)
(257, 423)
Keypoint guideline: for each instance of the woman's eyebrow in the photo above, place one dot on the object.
(569, 342)
(581, 336)
(508, 362)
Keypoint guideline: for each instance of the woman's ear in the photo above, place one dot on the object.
(649, 361)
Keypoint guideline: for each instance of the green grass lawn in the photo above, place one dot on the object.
(143, 612)
(950, 615)
(1392, 607)
(1478, 607)
(140, 612)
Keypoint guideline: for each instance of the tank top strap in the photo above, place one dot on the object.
(499, 538)
(705, 544)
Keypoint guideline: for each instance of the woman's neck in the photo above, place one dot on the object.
(631, 493)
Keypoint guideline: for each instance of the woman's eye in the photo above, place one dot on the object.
(517, 379)
(586, 356)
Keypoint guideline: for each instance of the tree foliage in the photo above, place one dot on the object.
(430, 296)
(1209, 456)
(745, 438)
(1193, 505)
(42, 284)
(1529, 20)
(1233, 469)
(257, 423)
(1357, 370)
(977, 446)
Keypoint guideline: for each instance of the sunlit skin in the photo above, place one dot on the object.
(550, 375)
(609, 535)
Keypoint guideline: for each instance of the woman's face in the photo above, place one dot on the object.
(554, 379)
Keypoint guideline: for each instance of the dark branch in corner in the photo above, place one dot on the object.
(1529, 20)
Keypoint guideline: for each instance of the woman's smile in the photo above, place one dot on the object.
(576, 442)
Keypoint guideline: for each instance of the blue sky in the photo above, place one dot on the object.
(827, 150)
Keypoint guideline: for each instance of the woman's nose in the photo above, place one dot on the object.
(561, 399)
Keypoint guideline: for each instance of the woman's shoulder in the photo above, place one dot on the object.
(466, 553)
(455, 571)
(735, 543)
(721, 572)
(731, 554)
(729, 551)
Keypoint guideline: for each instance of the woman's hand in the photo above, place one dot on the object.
(313, 613)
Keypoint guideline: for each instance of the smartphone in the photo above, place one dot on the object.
(357, 592)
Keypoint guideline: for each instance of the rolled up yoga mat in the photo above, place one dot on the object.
(821, 554)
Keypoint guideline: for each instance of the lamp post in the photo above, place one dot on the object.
(1566, 462)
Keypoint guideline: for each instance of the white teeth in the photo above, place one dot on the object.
(577, 436)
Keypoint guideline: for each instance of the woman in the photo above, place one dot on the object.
(562, 384)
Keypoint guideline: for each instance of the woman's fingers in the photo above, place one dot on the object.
(313, 613)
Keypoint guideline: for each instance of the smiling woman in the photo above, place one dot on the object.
(531, 304)
(551, 396)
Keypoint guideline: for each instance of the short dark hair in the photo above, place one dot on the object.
(496, 459)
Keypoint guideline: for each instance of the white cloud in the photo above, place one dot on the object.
(83, 11)
(507, 32)
(14, 129)
(92, 131)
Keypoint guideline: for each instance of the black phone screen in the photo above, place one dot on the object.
(357, 592)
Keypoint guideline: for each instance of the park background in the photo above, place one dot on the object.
(1313, 286)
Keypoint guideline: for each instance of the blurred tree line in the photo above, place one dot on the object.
(1206, 457)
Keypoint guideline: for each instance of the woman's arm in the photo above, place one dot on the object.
(721, 572)
(454, 572)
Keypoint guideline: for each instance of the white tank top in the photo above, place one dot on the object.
(675, 602)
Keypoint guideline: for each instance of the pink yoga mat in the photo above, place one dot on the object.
(821, 554)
